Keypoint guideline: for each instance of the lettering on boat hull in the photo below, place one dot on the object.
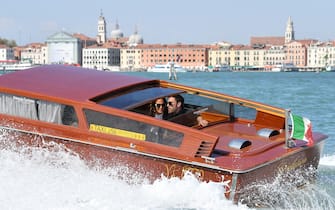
(117, 132)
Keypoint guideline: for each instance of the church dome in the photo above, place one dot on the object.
(116, 33)
(135, 39)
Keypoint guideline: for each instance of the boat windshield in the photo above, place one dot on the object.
(215, 109)
(137, 97)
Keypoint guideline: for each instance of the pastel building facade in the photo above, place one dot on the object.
(296, 52)
(6, 53)
(189, 56)
(247, 57)
(275, 55)
(101, 58)
(321, 54)
(219, 54)
(36, 53)
(130, 58)
(64, 48)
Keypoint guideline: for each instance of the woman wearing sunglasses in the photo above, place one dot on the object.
(158, 109)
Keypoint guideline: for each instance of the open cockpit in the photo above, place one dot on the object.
(215, 109)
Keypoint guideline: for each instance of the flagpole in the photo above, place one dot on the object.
(289, 143)
(287, 111)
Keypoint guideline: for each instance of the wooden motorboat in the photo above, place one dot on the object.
(104, 116)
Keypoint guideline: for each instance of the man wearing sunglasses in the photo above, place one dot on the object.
(175, 105)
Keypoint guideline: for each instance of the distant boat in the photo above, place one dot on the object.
(284, 67)
(330, 68)
(290, 67)
(165, 68)
(220, 68)
(277, 68)
(15, 66)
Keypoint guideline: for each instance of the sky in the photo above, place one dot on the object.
(169, 21)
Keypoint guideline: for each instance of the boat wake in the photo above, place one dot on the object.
(55, 178)
(328, 160)
(292, 191)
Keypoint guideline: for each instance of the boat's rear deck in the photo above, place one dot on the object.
(240, 143)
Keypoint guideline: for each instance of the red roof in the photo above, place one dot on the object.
(66, 82)
(268, 40)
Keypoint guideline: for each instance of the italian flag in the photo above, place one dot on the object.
(301, 129)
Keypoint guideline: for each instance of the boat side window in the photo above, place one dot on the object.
(36, 109)
(133, 129)
(18, 106)
(57, 113)
(69, 116)
(49, 112)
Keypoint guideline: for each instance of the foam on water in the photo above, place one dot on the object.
(291, 191)
(328, 160)
(40, 178)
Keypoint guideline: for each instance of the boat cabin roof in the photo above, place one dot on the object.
(68, 82)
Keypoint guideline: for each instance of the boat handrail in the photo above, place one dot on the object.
(229, 99)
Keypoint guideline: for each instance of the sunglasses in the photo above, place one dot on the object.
(159, 105)
(170, 103)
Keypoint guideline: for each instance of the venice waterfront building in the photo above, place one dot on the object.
(321, 54)
(63, 48)
(36, 53)
(6, 53)
(130, 53)
(101, 58)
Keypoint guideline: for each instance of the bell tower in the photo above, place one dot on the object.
(289, 33)
(102, 33)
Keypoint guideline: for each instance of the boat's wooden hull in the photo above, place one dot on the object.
(152, 167)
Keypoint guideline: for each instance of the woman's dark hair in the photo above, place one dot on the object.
(152, 108)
